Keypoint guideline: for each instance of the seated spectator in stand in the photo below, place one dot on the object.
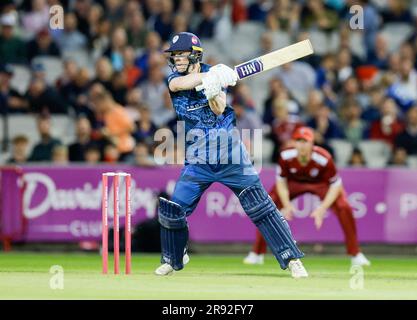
(164, 20)
(38, 18)
(83, 141)
(283, 126)
(20, 145)
(325, 127)
(60, 154)
(156, 96)
(258, 10)
(299, 78)
(12, 47)
(397, 11)
(119, 87)
(142, 156)
(44, 99)
(145, 128)
(136, 30)
(43, 150)
(206, 27)
(117, 124)
(404, 89)
(388, 126)
(357, 159)
(399, 158)
(111, 153)
(284, 16)
(132, 72)
(116, 48)
(11, 101)
(70, 39)
(379, 56)
(153, 45)
(69, 74)
(371, 111)
(104, 72)
(407, 139)
(114, 11)
(354, 127)
(316, 16)
(92, 154)
(42, 45)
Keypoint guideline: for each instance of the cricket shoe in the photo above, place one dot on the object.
(297, 269)
(254, 258)
(166, 269)
(360, 260)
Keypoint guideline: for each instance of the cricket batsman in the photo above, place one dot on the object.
(207, 116)
(306, 168)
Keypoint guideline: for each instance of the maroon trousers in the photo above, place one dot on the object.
(340, 207)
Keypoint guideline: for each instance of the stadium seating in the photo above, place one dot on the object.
(376, 153)
(343, 151)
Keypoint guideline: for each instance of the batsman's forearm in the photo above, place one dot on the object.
(331, 196)
(218, 103)
(188, 82)
(283, 192)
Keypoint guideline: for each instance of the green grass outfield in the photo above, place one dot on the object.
(26, 276)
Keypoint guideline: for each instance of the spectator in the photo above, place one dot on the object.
(299, 78)
(119, 87)
(95, 16)
(104, 72)
(136, 30)
(83, 132)
(371, 111)
(44, 99)
(156, 96)
(180, 24)
(404, 89)
(164, 20)
(71, 39)
(388, 126)
(38, 18)
(258, 10)
(344, 65)
(397, 11)
(42, 45)
(207, 25)
(11, 101)
(239, 12)
(407, 139)
(101, 40)
(153, 45)
(283, 126)
(111, 153)
(379, 55)
(82, 9)
(132, 72)
(142, 156)
(325, 127)
(60, 154)
(354, 127)
(399, 158)
(76, 92)
(12, 48)
(20, 145)
(92, 154)
(284, 16)
(316, 16)
(114, 11)
(134, 103)
(115, 51)
(357, 159)
(117, 124)
(69, 74)
(43, 150)
(145, 128)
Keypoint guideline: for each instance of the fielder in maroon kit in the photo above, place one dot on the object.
(306, 168)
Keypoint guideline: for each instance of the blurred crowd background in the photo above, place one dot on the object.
(96, 90)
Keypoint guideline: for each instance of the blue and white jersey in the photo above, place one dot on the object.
(201, 123)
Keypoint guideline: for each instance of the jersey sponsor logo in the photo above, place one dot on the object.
(321, 160)
(293, 170)
(289, 154)
(197, 106)
(314, 172)
(249, 68)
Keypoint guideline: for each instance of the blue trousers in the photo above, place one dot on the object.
(196, 178)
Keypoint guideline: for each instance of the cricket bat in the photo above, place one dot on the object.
(273, 59)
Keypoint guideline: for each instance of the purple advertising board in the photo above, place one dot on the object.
(64, 204)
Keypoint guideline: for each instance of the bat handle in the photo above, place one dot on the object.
(199, 88)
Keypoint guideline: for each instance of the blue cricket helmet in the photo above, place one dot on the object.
(187, 41)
